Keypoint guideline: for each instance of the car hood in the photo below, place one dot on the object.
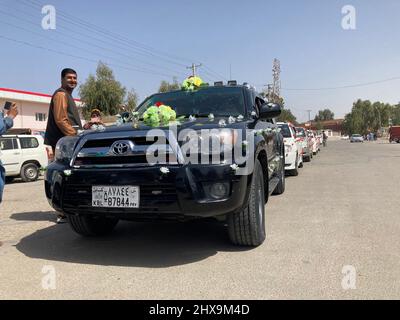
(198, 124)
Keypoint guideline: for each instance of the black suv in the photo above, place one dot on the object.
(103, 176)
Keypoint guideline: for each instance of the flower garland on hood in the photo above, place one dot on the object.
(159, 114)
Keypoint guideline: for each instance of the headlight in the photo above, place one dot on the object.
(288, 148)
(65, 148)
(210, 141)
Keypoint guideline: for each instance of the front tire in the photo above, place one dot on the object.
(295, 171)
(89, 226)
(29, 172)
(247, 228)
(280, 188)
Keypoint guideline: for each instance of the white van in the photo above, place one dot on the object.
(23, 156)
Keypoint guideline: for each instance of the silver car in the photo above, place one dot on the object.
(356, 138)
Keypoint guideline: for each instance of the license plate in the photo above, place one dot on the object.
(115, 196)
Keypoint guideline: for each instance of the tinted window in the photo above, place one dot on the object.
(285, 130)
(219, 101)
(29, 143)
(6, 144)
(300, 132)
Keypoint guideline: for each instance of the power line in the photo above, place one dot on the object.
(134, 45)
(344, 87)
(72, 55)
(143, 50)
(86, 42)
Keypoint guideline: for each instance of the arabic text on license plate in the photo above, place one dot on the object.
(115, 196)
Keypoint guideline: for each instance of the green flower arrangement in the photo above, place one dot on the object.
(159, 114)
(193, 83)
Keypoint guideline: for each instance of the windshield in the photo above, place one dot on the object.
(356, 136)
(221, 102)
(300, 132)
(285, 130)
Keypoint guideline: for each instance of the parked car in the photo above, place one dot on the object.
(345, 137)
(314, 141)
(101, 177)
(23, 156)
(306, 142)
(356, 138)
(320, 140)
(394, 134)
(293, 148)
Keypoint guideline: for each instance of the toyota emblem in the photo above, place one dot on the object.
(122, 148)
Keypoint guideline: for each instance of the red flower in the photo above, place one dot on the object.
(159, 104)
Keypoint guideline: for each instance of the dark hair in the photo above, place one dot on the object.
(67, 71)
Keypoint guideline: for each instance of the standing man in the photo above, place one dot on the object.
(64, 117)
(5, 124)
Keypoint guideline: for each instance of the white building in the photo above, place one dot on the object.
(33, 108)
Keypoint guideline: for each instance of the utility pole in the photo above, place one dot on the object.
(276, 75)
(194, 68)
(309, 117)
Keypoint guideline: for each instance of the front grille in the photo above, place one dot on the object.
(107, 143)
(153, 198)
(97, 153)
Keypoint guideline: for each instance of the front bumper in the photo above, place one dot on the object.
(178, 195)
(290, 161)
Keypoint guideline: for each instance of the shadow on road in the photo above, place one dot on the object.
(35, 216)
(152, 245)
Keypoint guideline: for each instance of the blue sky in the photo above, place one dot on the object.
(306, 36)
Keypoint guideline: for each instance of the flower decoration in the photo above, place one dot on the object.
(211, 117)
(164, 170)
(240, 118)
(159, 104)
(119, 121)
(192, 83)
(253, 114)
(156, 115)
(231, 120)
(222, 123)
(68, 173)
(192, 118)
(234, 167)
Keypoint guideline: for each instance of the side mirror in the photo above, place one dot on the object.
(270, 111)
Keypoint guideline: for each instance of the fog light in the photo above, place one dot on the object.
(219, 190)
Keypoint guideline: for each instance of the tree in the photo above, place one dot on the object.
(324, 115)
(132, 100)
(368, 117)
(395, 115)
(166, 86)
(319, 126)
(287, 116)
(102, 91)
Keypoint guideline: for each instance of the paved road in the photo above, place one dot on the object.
(343, 209)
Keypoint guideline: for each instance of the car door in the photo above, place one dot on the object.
(29, 148)
(270, 135)
(10, 155)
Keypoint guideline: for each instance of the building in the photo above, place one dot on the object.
(33, 109)
(333, 128)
